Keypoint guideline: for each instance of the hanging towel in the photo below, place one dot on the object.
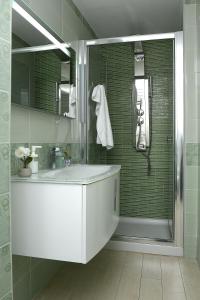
(104, 130)
(72, 103)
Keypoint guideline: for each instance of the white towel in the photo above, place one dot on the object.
(104, 130)
(72, 103)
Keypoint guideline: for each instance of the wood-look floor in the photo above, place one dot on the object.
(126, 276)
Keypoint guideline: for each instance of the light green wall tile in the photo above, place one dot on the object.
(190, 247)
(21, 267)
(192, 1)
(4, 163)
(192, 154)
(7, 297)
(30, 275)
(5, 270)
(21, 289)
(4, 219)
(4, 65)
(5, 16)
(191, 221)
(5, 264)
(191, 177)
(42, 273)
(191, 201)
(19, 120)
(4, 117)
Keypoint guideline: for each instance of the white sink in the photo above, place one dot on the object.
(77, 172)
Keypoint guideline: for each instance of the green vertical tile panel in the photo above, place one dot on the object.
(4, 163)
(41, 273)
(4, 116)
(192, 154)
(5, 76)
(142, 194)
(191, 1)
(7, 297)
(5, 270)
(21, 267)
(21, 289)
(5, 20)
(4, 219)
(4, 63)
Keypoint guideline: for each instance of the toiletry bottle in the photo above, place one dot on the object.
(59, 158)
(34, 163)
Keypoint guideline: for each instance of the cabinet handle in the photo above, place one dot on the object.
(115, 195)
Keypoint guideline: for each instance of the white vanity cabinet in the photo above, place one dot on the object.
(60, 221)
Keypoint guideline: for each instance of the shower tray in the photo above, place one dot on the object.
(156, 229)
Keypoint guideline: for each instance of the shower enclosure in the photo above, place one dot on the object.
(142, 76)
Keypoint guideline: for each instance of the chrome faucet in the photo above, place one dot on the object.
(67, 162)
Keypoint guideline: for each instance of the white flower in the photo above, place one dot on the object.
(22, 152)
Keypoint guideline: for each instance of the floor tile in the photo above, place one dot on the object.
(172, 284)
(192, 291)
(151, 289)
(118, 275)
(151, 266)
(170, 266)
(129, 285)
(174, 296)
(190, 272)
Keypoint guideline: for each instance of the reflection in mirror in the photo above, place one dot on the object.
(42, 73)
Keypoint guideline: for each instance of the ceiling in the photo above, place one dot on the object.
(112, 18)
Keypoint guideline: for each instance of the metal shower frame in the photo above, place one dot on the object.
(83, 63)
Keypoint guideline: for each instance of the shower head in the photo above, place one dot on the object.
(139, 58)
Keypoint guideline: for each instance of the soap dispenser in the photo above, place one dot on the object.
(34, 163)
(59, 158)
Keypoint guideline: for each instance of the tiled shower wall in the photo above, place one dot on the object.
(142, 194)
(5, 81)
(30, 275)
(96, 154)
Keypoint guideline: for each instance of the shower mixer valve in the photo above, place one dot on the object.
(142, 112)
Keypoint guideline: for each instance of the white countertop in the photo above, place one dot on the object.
(75, 174)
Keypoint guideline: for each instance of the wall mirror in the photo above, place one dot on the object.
(43, 66)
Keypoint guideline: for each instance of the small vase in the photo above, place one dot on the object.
(25, 172)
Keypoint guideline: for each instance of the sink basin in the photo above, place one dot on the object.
(77, 172)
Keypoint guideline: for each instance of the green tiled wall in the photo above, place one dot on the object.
(142, 195)
(97, 72)
(31, 275)
(5, 81)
